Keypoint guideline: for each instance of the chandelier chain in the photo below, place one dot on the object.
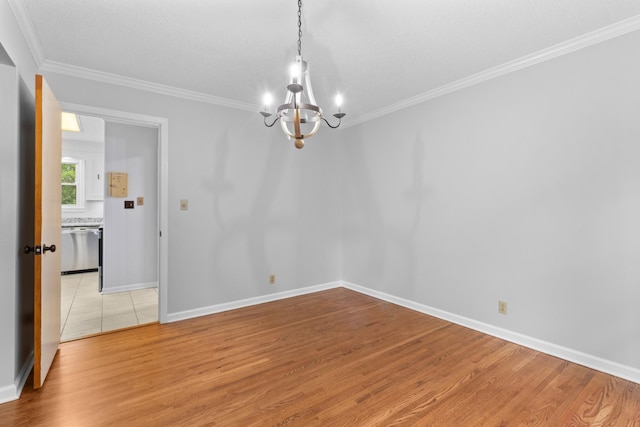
(299, 27)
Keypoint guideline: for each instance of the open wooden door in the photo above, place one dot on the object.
(47, 225)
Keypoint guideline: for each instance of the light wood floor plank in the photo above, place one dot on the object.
(333, 358)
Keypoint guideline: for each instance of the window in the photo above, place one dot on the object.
(69, 186)
(72, 184)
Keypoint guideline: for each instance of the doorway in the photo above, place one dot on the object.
(141, 300)
(110, 275)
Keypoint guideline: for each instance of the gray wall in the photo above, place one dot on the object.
(8, 221)
(14, 50)
(17, 139)
(257, 206)
(524, 188)
(131, 235)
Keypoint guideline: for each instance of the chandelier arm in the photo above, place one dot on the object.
(329, 124)
(272, 123)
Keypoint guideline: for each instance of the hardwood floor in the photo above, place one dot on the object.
(334, 358)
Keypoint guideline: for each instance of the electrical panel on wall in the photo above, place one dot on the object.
(117, 184)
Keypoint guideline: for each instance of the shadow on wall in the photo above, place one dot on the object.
(238, 226)
(381, 225)
(418, 192)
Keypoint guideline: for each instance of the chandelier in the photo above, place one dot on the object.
(300, 116)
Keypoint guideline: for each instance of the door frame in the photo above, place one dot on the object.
(162, 124)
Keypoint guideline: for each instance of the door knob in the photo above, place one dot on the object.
(46, 248)
(35, 249)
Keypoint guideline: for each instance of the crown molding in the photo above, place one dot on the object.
(45, 65)
(586, 40)
(577, 43)
(28, 30)
(115, 79)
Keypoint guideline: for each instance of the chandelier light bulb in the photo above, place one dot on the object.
(294, 72)
(339, 100)
(267, 99)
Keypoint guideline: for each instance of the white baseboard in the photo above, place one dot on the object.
(218, 308)
(132, 287)
(8, 393)
(13, 391)
(571, 355)
(24, 373)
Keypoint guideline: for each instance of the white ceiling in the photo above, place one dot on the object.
(377, 53)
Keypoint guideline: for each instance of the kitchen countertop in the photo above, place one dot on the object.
(81, 222)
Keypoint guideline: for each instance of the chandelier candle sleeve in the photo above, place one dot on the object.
(300, 116)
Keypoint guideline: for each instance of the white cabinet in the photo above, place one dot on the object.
(94, 179)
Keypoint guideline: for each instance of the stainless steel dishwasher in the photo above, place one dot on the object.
(79, 248)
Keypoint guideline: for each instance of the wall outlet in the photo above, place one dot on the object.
(128, 204)
(502, 307)
(272, 279)
(140, 201)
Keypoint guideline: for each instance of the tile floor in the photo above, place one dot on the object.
(84, 311)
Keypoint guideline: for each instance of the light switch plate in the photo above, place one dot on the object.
(184, 205)
(140, 201)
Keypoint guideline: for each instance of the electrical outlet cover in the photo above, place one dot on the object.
(502, 307)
